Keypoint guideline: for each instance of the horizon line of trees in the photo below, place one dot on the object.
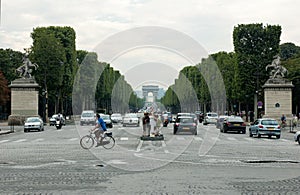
(73, 80)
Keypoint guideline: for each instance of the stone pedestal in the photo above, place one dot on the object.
(24, 100)
(278, 98)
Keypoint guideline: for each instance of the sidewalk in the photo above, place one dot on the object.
(5, 129)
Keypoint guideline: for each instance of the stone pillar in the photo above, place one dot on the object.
(24, 100)
(278, 98)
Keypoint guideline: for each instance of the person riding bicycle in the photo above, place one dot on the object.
(99, 129)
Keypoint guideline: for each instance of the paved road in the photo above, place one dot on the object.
(52, 162)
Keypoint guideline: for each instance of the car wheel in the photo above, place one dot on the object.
(244, 132)
(298, 139)
(258, 135)
(250, 133)
(195, 133)
(269, 136)
(278, 136)
(174, 132)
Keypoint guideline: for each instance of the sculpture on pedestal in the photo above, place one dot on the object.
(278, 70)
(25, 70)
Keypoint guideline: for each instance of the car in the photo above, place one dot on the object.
(131, 119)
(220, 121)
(116, 118)
(194, 116)
(184, 124)
(107, 120)
(87, 117)
(233, 123)
(297, 137)
(33, 123)
(52, 120)
(265, 126)
(210, 118)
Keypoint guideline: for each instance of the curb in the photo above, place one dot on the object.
(3, 132)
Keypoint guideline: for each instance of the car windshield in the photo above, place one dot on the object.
(87, 114)
(131, 116)
(54, 116)
(105, 117)
(212, 115)
(269, 122)
(235, 119)
(116, 115)
(33, 120)
(186, 120)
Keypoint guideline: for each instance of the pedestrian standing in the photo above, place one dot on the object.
(146, 124)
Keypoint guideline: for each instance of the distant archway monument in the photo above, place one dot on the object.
(24, 94)
(150, 89)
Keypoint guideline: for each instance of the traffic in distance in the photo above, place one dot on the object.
(181, 122)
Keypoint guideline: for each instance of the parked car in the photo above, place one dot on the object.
(116, 118)
(297, 137)
(52, 120)
(107, 120)
(33, 123)
(185, 124)
(265, 126)
(220, 121)
(210, 118)
(233, 123)
(131, 119)
(87, 117)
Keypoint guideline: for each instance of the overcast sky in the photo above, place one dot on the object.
(208, 22)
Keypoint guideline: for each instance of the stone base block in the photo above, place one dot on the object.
(18, 120)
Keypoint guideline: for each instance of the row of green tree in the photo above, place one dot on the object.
(65, 74)
(243, 73)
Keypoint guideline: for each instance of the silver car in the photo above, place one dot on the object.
(131, 119)
(33, 123)
(297, 137)
(265, 126)
(210, 118)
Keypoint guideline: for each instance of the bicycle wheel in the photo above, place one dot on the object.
(108, 142)
(86, 142)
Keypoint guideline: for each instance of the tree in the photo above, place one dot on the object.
(54, 51)
(289, 50)
(255, 46)
(4, 90)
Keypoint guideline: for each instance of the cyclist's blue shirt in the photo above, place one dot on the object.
(102, 124)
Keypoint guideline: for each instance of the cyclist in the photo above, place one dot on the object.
(99, 129)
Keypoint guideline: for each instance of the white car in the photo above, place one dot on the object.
(116, 118)
(210, 118)
(131, 119)
(87, 117)
(33, 123)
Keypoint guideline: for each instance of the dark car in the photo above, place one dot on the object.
(265, 126)
(234, 123)
(185, 124)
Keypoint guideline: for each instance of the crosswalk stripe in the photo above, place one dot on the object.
(20, 140)
(73, 139)
(123, 138)
(3, 141)
(231, 138)
(39, 140)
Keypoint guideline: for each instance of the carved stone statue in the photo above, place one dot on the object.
(25, 70)
(278, 70)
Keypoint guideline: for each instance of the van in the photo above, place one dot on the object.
(87, 117)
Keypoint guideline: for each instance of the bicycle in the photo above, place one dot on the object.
(88, 141)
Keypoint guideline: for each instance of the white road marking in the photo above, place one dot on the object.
(231, 138)
(138, 149)
(163, 144)
(123, 138)
(73, 139)
(3, 141)
(20, 140)
(39, 140)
